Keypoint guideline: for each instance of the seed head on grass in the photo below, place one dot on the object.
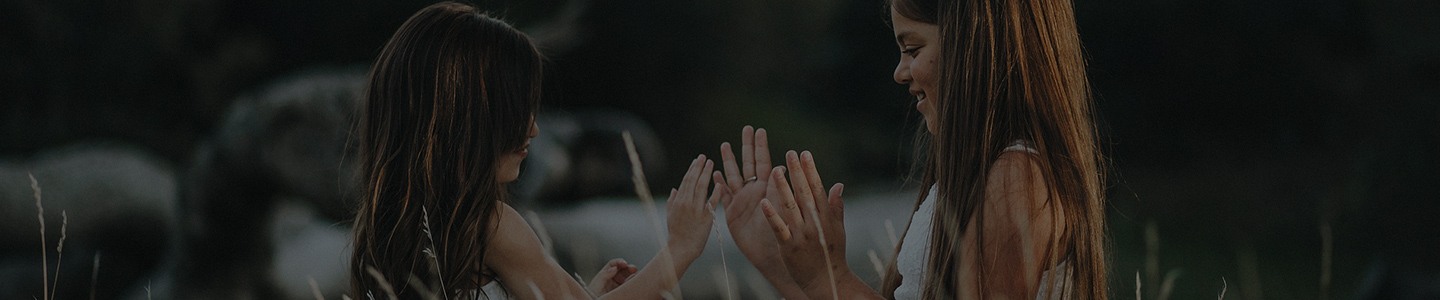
(44, 261)
(59, 252)
(642, 190)
(430, 250)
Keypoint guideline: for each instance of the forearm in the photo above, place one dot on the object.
(779, 277)
(847, 286)
(659, 277)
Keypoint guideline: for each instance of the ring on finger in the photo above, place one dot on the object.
(751, 179)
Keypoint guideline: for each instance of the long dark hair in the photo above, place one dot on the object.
(451, 91)
(1011, 70)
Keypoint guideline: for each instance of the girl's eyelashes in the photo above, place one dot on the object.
(911, 51)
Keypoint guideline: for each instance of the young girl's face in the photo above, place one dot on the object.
(510, 162)
(919, 52)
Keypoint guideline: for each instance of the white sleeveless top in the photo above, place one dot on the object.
(489, 291)
(494, 291)
(914, 251)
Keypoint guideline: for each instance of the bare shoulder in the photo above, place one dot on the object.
(1016, 174)
(1016, 191)
(512, 240)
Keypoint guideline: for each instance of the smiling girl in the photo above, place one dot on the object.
(1015, 205)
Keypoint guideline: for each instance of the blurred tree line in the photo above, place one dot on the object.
(1233, 124)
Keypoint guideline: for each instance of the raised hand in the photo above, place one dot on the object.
(742, 212)
(688, 216)
(809, 224)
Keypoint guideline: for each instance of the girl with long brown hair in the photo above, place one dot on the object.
(1015, 205)
(446, 122)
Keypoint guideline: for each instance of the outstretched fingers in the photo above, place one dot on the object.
(777, 223)
(721, 194)
(687, 185)
(732, 171)
(803, 195)
(747, 152)
(812, 175)
(702, 184)
(789, 210)
(762, 153)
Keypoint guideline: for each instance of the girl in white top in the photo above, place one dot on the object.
(1027, 223)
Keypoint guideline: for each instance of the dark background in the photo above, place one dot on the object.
(1241, 130)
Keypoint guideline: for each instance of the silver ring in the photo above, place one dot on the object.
(751, 179)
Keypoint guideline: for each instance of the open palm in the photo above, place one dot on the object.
(748, 181)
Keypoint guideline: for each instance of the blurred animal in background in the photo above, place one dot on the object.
(264, 202)
(118, 203)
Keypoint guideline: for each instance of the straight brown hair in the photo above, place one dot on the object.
(450, 92)
(1010, 70)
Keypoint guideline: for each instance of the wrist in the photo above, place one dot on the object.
(681, 253)
(779, 277)
(679, 258)
(822, 287)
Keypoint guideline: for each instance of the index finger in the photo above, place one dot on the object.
(747, 151)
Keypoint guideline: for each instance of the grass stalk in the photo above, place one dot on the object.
(875, 261)
(59, 252)
(829, 265)
(642, 190)
(44, 253)
(430, 250)
(384, 284)
(1223, 286)
(94, 274)
(315, 288)
(724, 265)
(1137, 285)
(1168, 285)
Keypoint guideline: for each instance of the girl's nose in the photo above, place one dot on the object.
(902, 71)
